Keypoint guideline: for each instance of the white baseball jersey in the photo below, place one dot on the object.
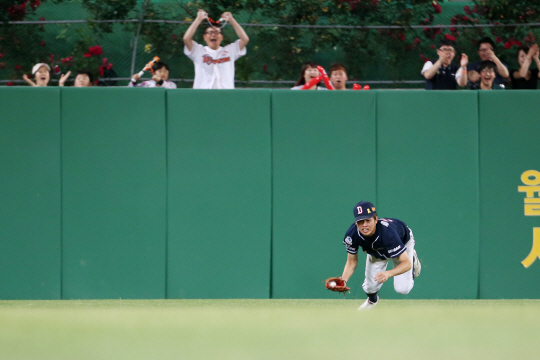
(214, 69)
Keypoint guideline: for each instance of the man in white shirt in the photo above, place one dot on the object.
(214, 65)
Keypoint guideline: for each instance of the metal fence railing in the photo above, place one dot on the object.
(385, 55)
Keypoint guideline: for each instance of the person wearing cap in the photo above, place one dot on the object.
(383, 240)
(42, 75)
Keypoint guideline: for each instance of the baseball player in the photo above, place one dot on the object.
(383, 240)
(214, 65)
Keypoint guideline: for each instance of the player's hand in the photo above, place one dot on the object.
(63, 78)
(201, 15)
(227, 16)
(464, 60)
(136, 76)
(381, 277)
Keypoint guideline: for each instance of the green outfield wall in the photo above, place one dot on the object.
(152, 193)
(30, 194)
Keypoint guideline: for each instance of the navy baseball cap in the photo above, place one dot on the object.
(364, 210)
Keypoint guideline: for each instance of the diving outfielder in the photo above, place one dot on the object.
(383, 240)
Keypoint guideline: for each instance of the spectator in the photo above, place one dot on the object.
(487, 70)
(42, 75)
(308, 72)
(338, 76)
(82, 79)
(214, 65)
(525, 78)
(160, 77)
(443, 75)
(485, 51)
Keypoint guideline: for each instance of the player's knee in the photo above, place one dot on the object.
(403, 289)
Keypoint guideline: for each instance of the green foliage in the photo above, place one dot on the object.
(277, 52)
(507, 39)
(109, 10)
(23, 45)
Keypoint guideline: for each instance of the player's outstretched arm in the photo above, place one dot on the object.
(244, 39)
(188, 36)
(350, 266)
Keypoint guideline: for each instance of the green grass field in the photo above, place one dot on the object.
(269, 329)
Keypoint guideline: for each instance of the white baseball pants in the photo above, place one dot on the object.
(403, 283)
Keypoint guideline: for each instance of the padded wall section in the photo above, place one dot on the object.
(427, 146)
(510, 146)
(30, 193)
(323, 164)
(114, 193)
(219, 193)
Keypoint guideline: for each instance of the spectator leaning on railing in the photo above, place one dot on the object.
(526, 78)
(214, 65)
(444, 75)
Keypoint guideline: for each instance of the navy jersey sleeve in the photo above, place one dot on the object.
(351, 244)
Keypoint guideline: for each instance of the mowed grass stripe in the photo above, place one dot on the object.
(268, 329)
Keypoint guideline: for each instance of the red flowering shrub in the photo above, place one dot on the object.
(95, 50)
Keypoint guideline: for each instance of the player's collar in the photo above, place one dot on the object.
(210, 50)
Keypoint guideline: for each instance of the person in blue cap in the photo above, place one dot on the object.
(383, 240)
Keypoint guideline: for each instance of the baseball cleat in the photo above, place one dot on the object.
(416, 265)
(367, 305)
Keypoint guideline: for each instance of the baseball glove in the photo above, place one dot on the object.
(339, 286)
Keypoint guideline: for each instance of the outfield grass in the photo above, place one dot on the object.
(269, 329)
